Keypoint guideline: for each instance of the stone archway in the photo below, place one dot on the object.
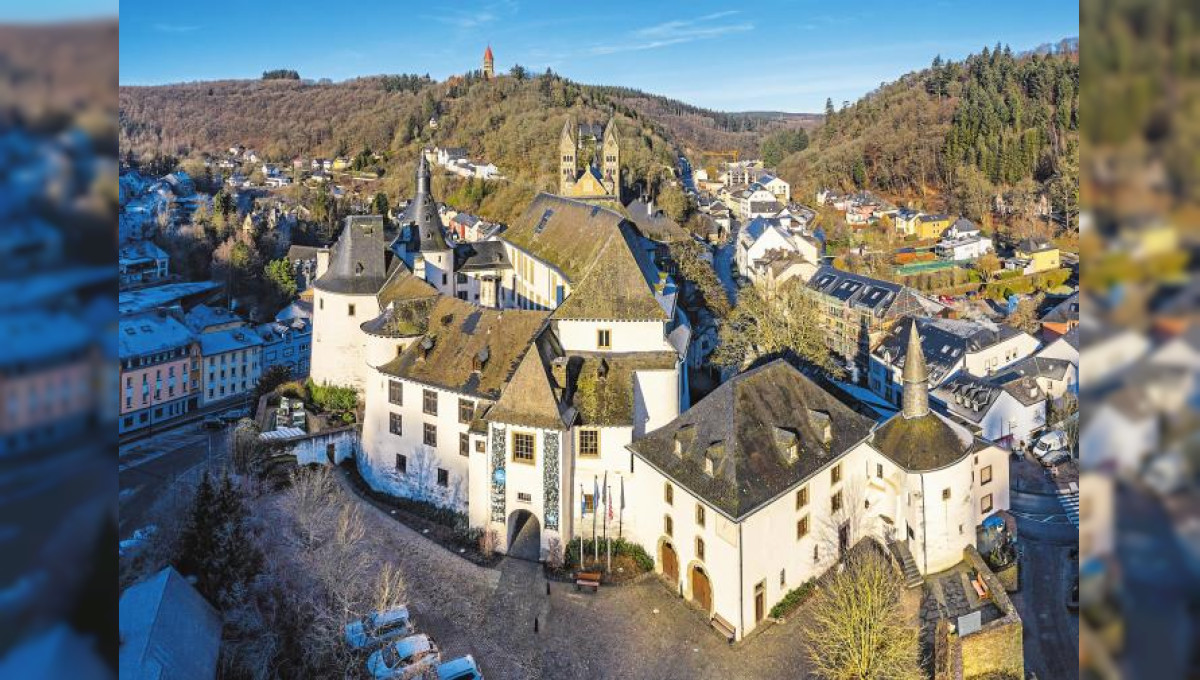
(524, 536)
(701, 588)
(668, 562)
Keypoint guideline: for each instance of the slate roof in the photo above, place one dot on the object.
(204, 316)
(358, 262)
(228, 340)
(1036, 367)
(944, 342)
(167, 630)
(530, 399)
(921, 444)
(150, 333)
(1033, 246)
(1065, 311)
(878, 296)
(745, 426)
(596, 250)
(402, 285)
(459, 332)
(141, 251)
(481, 255)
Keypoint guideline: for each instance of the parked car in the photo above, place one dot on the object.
(462, 668)
(235, 415)
(378, 627)
(1054, 440)
(213, 423)
(1055, 458)
(406, 658)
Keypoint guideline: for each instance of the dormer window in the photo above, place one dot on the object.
(708, 466)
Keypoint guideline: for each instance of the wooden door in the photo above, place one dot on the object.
(670, 564)
(760, 603)
(701, 589)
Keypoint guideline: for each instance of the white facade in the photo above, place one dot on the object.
(339, 345)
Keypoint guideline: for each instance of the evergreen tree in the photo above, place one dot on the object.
(379, 204)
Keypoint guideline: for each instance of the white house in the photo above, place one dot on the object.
(980, 348)
(1009, 414)
(231, 363)
(778, 187)
(754, 201)
(763, 235)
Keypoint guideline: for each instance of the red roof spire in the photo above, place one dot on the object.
(487, 54)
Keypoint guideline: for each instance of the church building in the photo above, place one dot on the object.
(590, 161)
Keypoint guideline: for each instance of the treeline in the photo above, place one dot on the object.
(956, 135)
(281, 74)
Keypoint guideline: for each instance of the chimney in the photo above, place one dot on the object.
(915, 377)
(322, 262)
(558, 369)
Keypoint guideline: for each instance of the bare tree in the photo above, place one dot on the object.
(857, 628)
(788, 321)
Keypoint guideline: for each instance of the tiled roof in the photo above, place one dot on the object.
(928, 442)
(228, 340)
(151, 332)
(944, 342)
(861, 291)
(481, 255)
(746, 427)
(529, 399)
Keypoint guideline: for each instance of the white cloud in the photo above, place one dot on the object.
(674, 32)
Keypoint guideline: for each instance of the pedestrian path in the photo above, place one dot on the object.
(1068, 495)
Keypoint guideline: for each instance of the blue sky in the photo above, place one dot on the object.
(765, 56)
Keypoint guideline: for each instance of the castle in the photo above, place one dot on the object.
(508, 379)
(598, 149)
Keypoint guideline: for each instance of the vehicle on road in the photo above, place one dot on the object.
(1055, 458)
(1054, 440)
(407, 658)
(213, 423)
(235, 415)
(378, 627)
(462, 668)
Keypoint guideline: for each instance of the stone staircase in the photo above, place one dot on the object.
(908, 566)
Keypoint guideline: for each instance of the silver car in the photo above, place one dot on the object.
(406, 658)
(378, 627)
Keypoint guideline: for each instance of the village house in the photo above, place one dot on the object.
(905, 221)
(141, 263)
(286, 343)
(762, 235)
(1061, 318)
(160, 364)
(1031, 256)
(980, 348)
(963, 241)
(857, 312)
(754, 201)
(231, 362)
(931, 226)
(777, 186)
(1011, 414)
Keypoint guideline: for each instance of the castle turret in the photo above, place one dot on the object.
(611, 159)
(915, 400)
(434, 260)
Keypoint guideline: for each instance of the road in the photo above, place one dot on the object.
(148, 467)
(1047, 538)
(723, 263)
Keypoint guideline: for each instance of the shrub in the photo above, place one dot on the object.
(794, 598)
(620, 546)
(332, 397)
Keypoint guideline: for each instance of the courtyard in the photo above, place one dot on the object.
(640, 630)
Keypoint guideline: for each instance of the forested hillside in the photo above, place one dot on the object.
(955, 135)
(511, 121)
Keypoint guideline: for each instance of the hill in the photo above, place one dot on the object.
(955, 135)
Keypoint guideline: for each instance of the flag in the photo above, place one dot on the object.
(604, 490)
(582, 503)
(610, 506)
(595, 491)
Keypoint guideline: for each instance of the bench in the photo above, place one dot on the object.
(587, 579)
(723, 627)
(981, 588)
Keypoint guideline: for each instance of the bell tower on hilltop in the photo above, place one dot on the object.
(489, 64)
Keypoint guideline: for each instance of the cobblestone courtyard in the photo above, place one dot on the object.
(635, 631)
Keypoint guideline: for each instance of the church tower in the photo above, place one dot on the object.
(489, 64)
(611, 156)
(567, 148)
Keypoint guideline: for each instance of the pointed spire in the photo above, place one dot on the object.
(915, 400)
(423, 176)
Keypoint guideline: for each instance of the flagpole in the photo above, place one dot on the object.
(604, 506)
(582, 509)
(595, 500)
(621, 513)
(607, 541)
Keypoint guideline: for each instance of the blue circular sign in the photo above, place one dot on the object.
(498, 475)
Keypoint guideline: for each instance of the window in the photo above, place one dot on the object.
(802, 498)
(430, 436)
(443, 477)
(835, 475)
(604, 339)
(879, 470)
(589, 443)
(802, 528)
(466, 411)
(523, 443)
(782, 577)
(401, 463)
(699, 548)
(395, 424)
(985, 475)
(817, 552)
(946, 494)
(464, 444)
(320, 303)
(523, 497)
(985, 503)
(668, 525)
(351, 310)
(429, 403)
(699, 515)
(480, 447)
(669, 494)
(835, 503)
(589, 503)
(396, 392)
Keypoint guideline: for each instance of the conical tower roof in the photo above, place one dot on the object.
(424, 212)
(915, 377)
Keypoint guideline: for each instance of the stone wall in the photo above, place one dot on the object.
(340, 444)
(996, 648)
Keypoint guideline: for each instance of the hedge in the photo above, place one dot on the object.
(620, 546)
(794, 598)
